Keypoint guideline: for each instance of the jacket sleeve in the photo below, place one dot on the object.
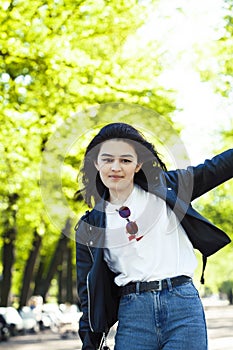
(89, 339)
(197, 180)
(212, 173)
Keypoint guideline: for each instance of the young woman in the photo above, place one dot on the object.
(135, 248)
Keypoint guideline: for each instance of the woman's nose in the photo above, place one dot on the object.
(116, 165)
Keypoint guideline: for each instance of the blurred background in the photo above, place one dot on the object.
(66, 68)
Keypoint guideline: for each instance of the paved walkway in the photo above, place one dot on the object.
(220, 327)
(219, 321)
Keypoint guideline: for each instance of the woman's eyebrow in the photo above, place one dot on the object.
(121, 156)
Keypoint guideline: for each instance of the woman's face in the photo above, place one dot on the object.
(117, 164)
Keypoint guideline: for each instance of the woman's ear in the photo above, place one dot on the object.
(138, 167)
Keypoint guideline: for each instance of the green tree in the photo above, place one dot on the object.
(217, 206)
(216, 68)
(226, 287)
(58, 58)
(216, 65)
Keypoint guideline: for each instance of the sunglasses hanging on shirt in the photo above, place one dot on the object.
(131, 226)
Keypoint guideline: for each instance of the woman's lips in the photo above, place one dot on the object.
(115, 177)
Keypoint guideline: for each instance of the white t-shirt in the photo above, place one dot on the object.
(164, 251)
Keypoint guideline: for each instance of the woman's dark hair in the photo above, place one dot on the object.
(94, 189)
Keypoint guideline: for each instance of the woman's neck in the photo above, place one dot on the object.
(118, 197)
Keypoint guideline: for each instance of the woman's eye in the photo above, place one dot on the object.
(107, 160)
(110, 160)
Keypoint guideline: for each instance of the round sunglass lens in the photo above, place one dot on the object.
(124, 212)
(132, 228)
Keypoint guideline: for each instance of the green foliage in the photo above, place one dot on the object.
(218, 68)
(217, 206)
(226, 287)
(59, 58)
(64, 54)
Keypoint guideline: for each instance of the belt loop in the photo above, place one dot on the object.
(169, 284)
(137, 288)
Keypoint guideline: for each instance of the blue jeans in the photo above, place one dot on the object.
(172, 319)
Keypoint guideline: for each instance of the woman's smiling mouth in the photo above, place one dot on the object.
(116, 177)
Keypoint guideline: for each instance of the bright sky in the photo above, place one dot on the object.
(182, 25)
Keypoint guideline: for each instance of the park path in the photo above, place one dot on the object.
(220, 327)
(219, 321)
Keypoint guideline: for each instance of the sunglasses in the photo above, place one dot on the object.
(131, 226)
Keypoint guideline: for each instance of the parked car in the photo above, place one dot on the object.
(4, 329)
(30, 323)
(69, 323)
(62, 319)
(13, 319)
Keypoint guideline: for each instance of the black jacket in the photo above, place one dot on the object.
(96, 288)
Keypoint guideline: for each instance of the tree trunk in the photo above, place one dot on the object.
(56, 260)
(8, 258)
(61, 279)
(29, 268)
(39, 278)
(65, 278)
(230, 297)
(69, 277)
(8, 250)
